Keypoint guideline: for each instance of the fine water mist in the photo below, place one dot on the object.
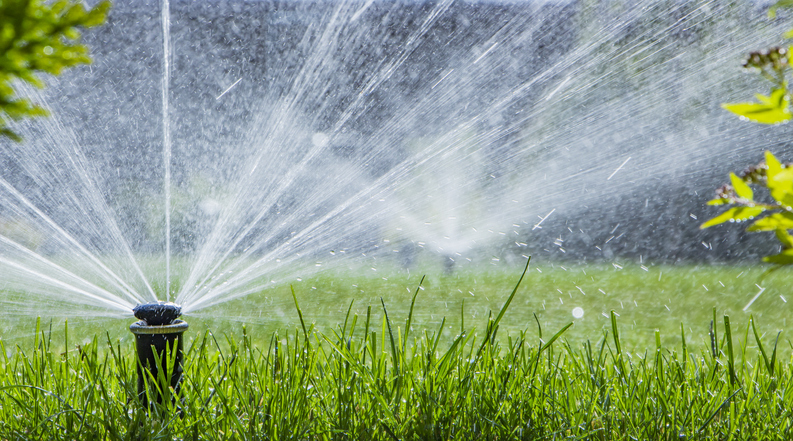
(216, 149)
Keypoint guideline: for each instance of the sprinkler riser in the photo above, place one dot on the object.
(153, 343)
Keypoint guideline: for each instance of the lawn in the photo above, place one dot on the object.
(646, 298)
(262, 373)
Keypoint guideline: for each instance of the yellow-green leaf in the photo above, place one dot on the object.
(777, 5)
(770, 110)
(718, 201)
(775, 221)
(761, 113)
(741, 189)
(765, 100)
(773, 164)
(97, 15)
(779, 98)
(784, 237)
(736, 214)
(783, 258)
(780, 186)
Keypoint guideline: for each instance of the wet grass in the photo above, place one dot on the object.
(645, 298)
(381, 375)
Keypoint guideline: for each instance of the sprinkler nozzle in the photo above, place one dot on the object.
(158, 340)
(158, 313)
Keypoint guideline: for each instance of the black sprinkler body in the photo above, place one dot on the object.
(158, 340)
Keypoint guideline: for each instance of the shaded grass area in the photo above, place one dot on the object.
(386, 378)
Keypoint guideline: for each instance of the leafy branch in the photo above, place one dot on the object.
(776, 215)
(772, 64)
(777, 178)
(39, 38)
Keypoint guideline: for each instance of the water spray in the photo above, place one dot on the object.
(158, 340)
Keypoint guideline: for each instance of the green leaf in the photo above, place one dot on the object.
(770, 110)
(784, 237)
(777, 99)
(719, 201)
(777, 5)
(783, 258)
(96, 16)
(780, 186)
(774, 166)
(9, 134)
(773, 222)
(38, 37)
(741, 189)
(736, 214)
(779, 180)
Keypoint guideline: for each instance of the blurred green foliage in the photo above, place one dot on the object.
(39, 38)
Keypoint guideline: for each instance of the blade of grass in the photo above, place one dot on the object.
(410, 315)
(394, 353)
(768, 364)
(300, 314)
(731, 358)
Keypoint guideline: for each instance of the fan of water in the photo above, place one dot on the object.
(215, 149)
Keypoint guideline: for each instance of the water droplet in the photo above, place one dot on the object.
(320, 139)
(578, 312)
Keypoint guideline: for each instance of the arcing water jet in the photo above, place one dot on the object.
(312, 134)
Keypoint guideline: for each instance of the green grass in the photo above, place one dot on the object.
(662, 297)
(385, 373)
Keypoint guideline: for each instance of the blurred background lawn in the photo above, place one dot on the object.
(646, 298)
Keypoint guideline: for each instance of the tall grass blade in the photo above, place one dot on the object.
(462, 317)
(555, 337)
(731, 358)
(410, 315)
(714, 337)
(615, 334)
(683, 343)
(394, 353)
(493, 325)
(773, 354)
(511, 296)
(768, 364)
(300, 314)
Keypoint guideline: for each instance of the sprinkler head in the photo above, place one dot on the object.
(158, 313)
(158, 343)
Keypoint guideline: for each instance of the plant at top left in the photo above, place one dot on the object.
(39, 38)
